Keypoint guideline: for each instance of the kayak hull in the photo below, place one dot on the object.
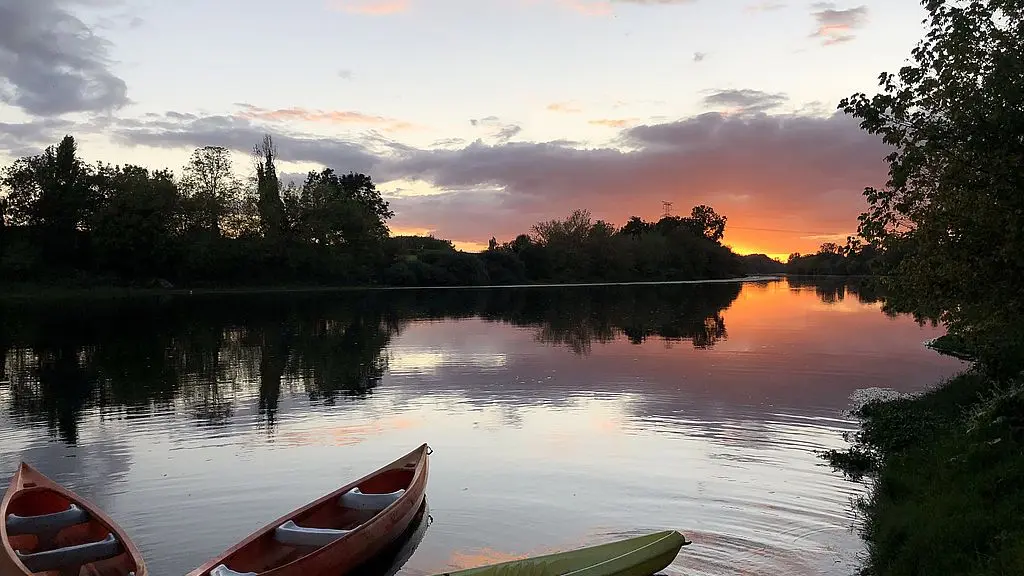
(47, 529)
(639, 556)
(335, 533)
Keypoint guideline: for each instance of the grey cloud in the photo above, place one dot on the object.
(52, 63)
(485, 121)
(30, 138)
(345, 74)
(780, 167)
(175, 129)
(745, 99)
(508, 132)
(448, 142)
(836, 26)
(699, 56)
(504, 132)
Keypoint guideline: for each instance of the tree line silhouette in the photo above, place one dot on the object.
(855, 258)
(63, 220)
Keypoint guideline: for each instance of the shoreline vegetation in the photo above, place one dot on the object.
(946, 466)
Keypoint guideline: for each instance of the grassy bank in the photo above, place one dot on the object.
(947, 469)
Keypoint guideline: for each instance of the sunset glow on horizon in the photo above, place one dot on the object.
(480, 119)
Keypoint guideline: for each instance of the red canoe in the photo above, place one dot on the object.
(335, 533)
(49, 530)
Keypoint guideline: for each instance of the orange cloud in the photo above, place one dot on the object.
(563, 107)
(371, 7)
(588, 7)
(784, 181)
(613, 122)
(298, 114)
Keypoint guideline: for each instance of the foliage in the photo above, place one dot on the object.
(948, 480)
(578, 249)
(268, 190)
(135, 231)
(852, 259)
(54, 194)
(952, 206)
(208, 226)
(762, 264)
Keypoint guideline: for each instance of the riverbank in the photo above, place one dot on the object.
(947, 472)
(43, 291)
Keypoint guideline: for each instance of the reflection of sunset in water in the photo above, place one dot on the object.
(559, 418)
(341, 435)
(462, 560)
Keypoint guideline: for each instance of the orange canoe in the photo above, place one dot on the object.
(49, 530)
(335, 533)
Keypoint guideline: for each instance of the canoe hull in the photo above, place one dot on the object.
(346, 553)
(28, 484)
(639, 556)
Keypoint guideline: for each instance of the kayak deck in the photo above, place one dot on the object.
(638, 556)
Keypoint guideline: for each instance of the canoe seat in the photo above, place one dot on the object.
(71, 556)
(222, 570)
(46, 523)
(356, 500)
(291, 534)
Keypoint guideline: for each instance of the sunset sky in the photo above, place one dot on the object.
(478, 118)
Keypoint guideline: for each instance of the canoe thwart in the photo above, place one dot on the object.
(222, 570)
(356, 500)
(46, 523)
(292, 534)
(70, 556)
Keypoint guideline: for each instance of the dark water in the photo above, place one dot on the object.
(559, 416)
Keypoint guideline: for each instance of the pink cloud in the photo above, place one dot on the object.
(372, 7)
(322, 116)
(836, 26)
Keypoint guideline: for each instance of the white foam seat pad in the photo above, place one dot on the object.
(357, 500)
(222, 570)
(292, 534)
(71, 556)
(46, 523)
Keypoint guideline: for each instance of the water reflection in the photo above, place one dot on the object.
(394, 557)
(203, 354)
(560, 417)
(833, 290)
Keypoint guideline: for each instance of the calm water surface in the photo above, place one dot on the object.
(559, 417)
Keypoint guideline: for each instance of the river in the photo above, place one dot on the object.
(559, 417)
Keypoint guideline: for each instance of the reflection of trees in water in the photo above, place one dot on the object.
(202, 356)
(867, 290)
(207, 356)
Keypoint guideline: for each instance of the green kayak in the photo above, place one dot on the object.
(639, 556)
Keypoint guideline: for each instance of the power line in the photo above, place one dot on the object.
(729, 227)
